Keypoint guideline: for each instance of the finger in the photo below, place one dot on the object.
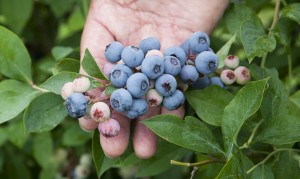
(115, 146)
(95, 37)
(178, 112)
(87, 124)
(144, 140)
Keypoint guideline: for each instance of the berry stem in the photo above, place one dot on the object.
(274, 22)
(42, 90)
(247, 144)
(197, 164)
(269, 156)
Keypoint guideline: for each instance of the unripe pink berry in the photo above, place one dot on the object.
(87, 124)
(232, 61)
(109, 128)
(107, 68)
(155, 52)
(242, 75)
(153, 98)
(228, 77)
(81, 84)
(67, 89)
(100, 112)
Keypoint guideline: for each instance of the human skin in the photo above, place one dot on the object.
(129, 21)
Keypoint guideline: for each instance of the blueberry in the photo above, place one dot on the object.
(207, 62)
(121, 100)
(113, 52)
(202, 82)
(166, 85)
(174, 101)
(199, 42)
(138, 85)
(76, 104)
(132, 56)
(216, 81)
(176, 52)
(149, 43)
(119, 75)
(189, 74)
(153, 66)
(139, 108)
(172, 65)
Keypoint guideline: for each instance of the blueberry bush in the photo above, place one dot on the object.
(243, 129)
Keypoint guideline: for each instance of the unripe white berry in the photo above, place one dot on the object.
(228, 77)
(153, 98)
(81, 172)
(100, 112)
(242, 75)
(67, 89)
(109, 128)
(232, 61)
(85, 159)
(155, 52)
(81, 84)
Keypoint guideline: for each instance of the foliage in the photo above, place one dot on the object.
(249, 131)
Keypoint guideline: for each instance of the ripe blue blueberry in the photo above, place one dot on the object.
(153, 66)
(202, 82)
(119, 75)
(216, 81)
(207, 62)
(139, 108)
(172, 65)
(132, 56)
(113, 52)
(189, 74)
(138, 85)
(176, 52)
(174, 101)
(199, 42)
(149, 43)
(166, 85)
(121, 100)
(76, 104)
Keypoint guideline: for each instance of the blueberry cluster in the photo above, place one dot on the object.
(145, 76)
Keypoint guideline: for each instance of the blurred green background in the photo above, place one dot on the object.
(51, 30)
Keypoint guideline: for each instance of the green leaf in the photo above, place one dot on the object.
(236, 15)
(60, 52)
(236, 166)
(292, 11)
(161, 160)
(16, 133)
(209, 106)
(44, 113)
(286, 166)
(189, 133)
(246, 102)
(15, 61)
(66, 64)
(16, 13)
(224, 51)
(295, 98)
(109, 89)
(255, 41)
(262, 172)
(3, 138)
(15, 97)
(56, 82)
(281, 117)
(59, 7)
(75, 136)
(42, 149)
(90, 66)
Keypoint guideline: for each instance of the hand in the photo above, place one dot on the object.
(129, 21)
